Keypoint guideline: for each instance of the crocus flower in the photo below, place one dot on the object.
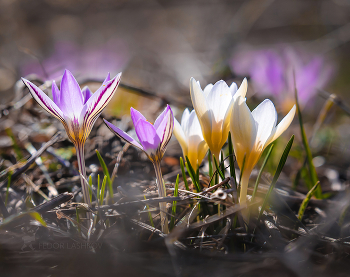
(189, 135)
(213, 107)
(153, 141)
(77, 110)
(271, 72)
(252, 132)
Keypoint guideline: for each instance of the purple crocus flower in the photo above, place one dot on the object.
(153, 138)
(153, 141)
(77, 110)
(271, 71)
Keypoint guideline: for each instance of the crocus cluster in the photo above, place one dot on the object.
(221, 109)
(218, 109)
(271, 71)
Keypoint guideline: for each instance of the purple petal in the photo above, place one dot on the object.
(86, 94)
(122, 134)
(161, 122)
(71, 101)
(108, 78)
(168, 131)
(148, 136)
(56, 94)
(97, 102)
(43, 100)
(136, 116)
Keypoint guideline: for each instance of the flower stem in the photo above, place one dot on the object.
(81, 164)
(244, 186)
(161, 193)
(217, 157)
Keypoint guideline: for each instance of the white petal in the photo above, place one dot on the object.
(219, 99)
(180, 136)
(184, 119)
(265, 117)
(282, 126)
(201, 108)
(207, 90)
(194, 127)
(242, 91)
(243, 130)
(233, 88)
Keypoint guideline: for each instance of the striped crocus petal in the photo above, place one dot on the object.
(168, 130)
(123, 135)
(87, 93)
(108, 78)
(56, 94)
(44, 101)
(96, 103)
(161, 122)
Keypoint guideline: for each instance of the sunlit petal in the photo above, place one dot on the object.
(242, 91)
(168, 130)
(190, 137)
(108, 78)
(161, 122)
(180, 136)
(184, 120)
(120, 133)
(218, 100)
(265, 117)
(148, 136)
(136, 116)
(207, 90)
(201, 108)
(243, 130)
(282, 126)
(71, 101)
(202, 150)
(43, 100)
(56, 94)
(87, 93)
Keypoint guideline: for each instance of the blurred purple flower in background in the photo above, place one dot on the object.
(88, 61)
(271, 71)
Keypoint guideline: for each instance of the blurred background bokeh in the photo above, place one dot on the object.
(160, 44)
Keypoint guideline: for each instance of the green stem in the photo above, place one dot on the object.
(161, 193)
(81, 164)
(244, 186)
(217, 157)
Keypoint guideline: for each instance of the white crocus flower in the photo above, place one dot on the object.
(189, 135)
(213, 107)
(252, 132)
